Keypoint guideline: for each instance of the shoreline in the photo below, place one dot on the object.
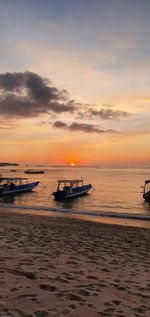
(57, 266)
(129, 220)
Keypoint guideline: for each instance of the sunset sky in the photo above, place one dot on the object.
(75, 82)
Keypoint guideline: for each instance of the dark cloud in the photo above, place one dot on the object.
(84, 127)
(104, 114)
(60, 125)
(26, 94)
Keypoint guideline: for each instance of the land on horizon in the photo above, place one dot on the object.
(8, 164)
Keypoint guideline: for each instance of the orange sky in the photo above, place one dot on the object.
(85, 97)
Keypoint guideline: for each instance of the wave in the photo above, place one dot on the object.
(81, 212)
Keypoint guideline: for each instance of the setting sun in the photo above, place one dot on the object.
(72, 164)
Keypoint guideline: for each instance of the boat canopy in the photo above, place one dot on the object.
(71, 181)
(12, 178)
(68, 183)
(147, 181)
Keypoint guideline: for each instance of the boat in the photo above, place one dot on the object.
(146, 191)
(32, 171)
(70, 188)
(15, 185)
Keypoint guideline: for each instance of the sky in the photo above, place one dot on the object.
(75, 82)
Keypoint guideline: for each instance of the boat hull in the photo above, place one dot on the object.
(34, 172)
(77, 192)
(146, 196)
(20, 189)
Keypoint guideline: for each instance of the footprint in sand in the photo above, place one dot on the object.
(47, 287)
(74, 297)
(41, 313)
(14, 313)
(92, 277)
(83, 292)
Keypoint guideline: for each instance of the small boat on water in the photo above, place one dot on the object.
(70, 188)
(146, 191)
(32, 171)
(15, 185)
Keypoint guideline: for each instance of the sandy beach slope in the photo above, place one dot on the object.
(62, 267)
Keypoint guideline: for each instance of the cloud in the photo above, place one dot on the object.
(104, 114)
(27, 94)
(6, 125)
(84, 127)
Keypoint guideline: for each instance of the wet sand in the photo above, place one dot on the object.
(65, 267)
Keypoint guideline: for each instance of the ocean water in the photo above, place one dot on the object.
(115, 191)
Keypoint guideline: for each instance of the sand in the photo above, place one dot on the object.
(63, 267)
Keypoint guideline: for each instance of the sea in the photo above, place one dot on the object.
(116, 193)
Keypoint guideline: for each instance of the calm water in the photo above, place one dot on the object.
(115, 190)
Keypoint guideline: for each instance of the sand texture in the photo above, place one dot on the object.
(62, 267)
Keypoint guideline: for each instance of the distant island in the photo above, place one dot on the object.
(8, 164)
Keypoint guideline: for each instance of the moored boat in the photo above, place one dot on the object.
(70, 189)
(15, 185)
(32, 171)
(146, 191)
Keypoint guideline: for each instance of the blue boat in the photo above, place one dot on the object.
(15, 185)
(70, 189)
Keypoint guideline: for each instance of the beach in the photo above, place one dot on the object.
(56, 266)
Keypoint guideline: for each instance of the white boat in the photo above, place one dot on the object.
(15, 185)
(70, 188)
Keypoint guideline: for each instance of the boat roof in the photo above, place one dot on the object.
(147, 181)
(12, 178)
(71, 181)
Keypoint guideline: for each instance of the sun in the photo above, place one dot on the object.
(72, 164)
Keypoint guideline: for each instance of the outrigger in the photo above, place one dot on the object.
(70, 188)
(15, 185)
